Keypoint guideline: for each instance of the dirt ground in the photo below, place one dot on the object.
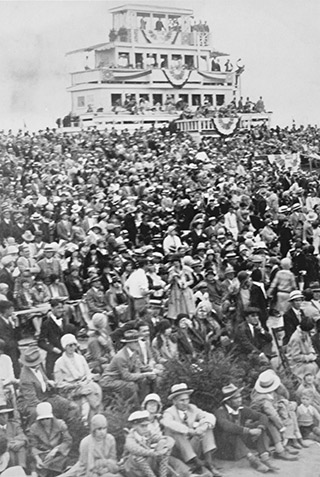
(308, 465)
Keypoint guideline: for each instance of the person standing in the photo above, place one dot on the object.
(137, 288)
(52, 330)
(10, 334)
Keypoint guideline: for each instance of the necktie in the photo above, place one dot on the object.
(185, 418)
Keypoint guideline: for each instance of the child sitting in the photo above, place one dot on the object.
(308, 417)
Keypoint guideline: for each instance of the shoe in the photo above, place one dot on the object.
(214, 471)
(195, 466)
(270, 465)
(284, 455)
(304, 443)
(258, 465)
(291, 451)
(296, 445)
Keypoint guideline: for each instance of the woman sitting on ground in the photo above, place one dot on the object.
(98, 454)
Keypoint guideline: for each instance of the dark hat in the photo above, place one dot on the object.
(130, 336)
(230, 391)
(251, 310)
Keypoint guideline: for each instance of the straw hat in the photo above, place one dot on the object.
(130, 336)
(138, 416)
(296, 295)
(267, 382)
(178, 389)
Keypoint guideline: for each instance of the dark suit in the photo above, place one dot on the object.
(290, 323)
(246, 342)
(231, 434)
(259, 300)
(10, 336)
(6, 277)
(31, 394)
(50, 336)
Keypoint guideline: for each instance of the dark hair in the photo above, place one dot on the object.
(306, 324)
(256, 275)
(5, 305)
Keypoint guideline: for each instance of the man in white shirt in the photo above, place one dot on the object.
(137, 288)
(172, 242)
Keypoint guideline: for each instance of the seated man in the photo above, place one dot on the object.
(146, 455)
(251, 338)
(12, 431)
(192, 430)
(124, 374)
(235, 436)
(50, 442)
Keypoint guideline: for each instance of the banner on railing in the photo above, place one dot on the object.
(226, 126)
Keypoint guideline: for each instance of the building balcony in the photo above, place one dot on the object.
(165, 38)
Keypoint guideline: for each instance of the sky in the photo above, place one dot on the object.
(278, 41)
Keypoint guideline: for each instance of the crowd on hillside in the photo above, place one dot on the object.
(122, 252)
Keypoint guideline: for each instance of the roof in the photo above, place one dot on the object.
(98, 46)
(152, 9)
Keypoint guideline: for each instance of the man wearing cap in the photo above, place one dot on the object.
(191, 428)
(293, 317)
(146, 455)
(251, 338)
(52, 329)
(50, 442)
(124, 374)
(235, 437)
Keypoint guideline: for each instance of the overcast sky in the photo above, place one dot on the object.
(278, 41)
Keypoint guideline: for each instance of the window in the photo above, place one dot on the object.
(189, 61)
(157, 99)
(116, 99)
(196, 100)
(80, 101)
(219, 99)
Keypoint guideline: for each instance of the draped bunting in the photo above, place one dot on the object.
(226, 126)
(177, 77)
(109, 75)
(215, 75)
(162, 37)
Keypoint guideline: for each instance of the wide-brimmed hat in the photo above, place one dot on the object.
(48, 248)
(311, 216)
(28, 236)
(229, 269)
(230, 391)
(36, 216)
(178, 389)
(130, 336)
(315, 286)
(296, 295)
(295, 207)
(44, 411)
(31, 357)
(267, 382)
(4, 409)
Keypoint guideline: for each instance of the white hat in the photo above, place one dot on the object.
(68, 339)
(139, 416)
(296, 295)
(12, 249)
(267, 382)
(178, 389)
(44, 411)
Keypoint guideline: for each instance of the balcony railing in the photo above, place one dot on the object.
(166, 37)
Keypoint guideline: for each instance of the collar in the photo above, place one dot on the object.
(231, 411)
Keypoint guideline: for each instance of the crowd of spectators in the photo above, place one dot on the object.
(122, 252)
